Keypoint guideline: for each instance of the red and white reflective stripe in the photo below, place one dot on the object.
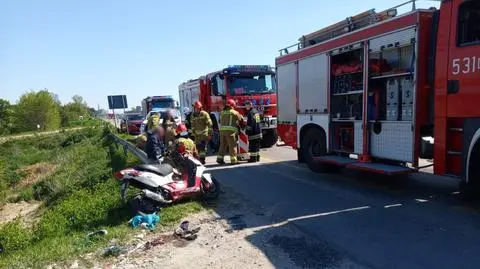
(243, 144)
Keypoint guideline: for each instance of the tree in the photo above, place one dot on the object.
(37, 108)
(6, 117)
(74, 110)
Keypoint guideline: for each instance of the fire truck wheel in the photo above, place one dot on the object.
(471, 190)
(314, 145)
(269, 139)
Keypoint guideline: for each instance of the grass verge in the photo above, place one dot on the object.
(79, 197)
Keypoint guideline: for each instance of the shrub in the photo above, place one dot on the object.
(83, 210)
(14, 236)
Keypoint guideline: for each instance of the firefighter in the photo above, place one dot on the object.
(254, 132)
(153, 121)
(201, 129)
(186, 145)
(169, 127)
(230, 121)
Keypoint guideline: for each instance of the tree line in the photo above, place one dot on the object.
(41, 110)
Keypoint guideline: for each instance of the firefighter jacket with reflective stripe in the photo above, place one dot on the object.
(229, 120)
(253, 129)
(189, 145)
(201, 123)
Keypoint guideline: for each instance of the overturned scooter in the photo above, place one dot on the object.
(162, 184)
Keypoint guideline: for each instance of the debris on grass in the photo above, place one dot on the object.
(23, 210)
(34, 173)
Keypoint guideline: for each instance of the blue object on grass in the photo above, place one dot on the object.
(151, 220)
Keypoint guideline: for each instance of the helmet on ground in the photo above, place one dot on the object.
(231, 102)
(182, 130)
(197, 105)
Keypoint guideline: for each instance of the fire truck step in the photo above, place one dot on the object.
(335, 160)
(381, 168)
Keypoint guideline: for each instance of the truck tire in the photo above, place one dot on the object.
(269, 138)
(471, 190)
(314, 145)
(214, 143)
(426, 149)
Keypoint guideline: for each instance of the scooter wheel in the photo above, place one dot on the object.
(213, 191)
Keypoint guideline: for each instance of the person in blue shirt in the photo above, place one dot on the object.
(155, 147)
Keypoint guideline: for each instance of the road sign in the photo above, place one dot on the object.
(117, 101)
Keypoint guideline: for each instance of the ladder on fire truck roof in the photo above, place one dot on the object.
(350, 24)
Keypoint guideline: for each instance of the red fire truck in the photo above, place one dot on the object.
(370, 92)
(240, 82)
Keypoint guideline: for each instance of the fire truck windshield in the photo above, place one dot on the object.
(251, 84)
(163, 103)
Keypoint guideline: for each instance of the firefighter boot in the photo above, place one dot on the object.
(233, 160)
(220, 160)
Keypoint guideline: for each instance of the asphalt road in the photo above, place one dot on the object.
(378, 222)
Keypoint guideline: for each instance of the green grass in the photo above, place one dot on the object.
(80, 197)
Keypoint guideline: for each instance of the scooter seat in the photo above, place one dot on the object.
(161, 169)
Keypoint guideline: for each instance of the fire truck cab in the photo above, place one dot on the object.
(375, 91)
(161, 103)
(255, 83)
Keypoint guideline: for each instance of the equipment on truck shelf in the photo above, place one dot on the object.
(368, 91)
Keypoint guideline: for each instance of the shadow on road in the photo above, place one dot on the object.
(333, 220)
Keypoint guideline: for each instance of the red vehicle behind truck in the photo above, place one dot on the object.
(240, 82)
(370, 92)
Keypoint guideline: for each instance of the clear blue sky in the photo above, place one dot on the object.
(96, 48)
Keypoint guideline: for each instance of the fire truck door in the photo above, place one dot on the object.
(463, 86)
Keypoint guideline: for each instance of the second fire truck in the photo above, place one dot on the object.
(375, 91)
(255, 83)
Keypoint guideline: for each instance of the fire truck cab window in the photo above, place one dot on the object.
(218, 86)
(251, 84)
(469, 23)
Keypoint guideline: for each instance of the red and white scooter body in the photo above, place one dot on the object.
(167, 186)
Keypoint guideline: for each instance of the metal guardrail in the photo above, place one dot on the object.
(142, 156)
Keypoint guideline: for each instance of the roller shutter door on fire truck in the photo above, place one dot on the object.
(313, 84)
(399, 39)
(287, 98)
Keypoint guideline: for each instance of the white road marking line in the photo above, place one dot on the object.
(312, 216)
(394, 205)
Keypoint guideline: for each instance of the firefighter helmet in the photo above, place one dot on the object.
(197, 105)
(231, 103)
(182, 129)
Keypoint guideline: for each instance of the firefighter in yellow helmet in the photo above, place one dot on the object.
(153, 120)
(230, 121)
(169, 127)
(201, 129)
(186, 146)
